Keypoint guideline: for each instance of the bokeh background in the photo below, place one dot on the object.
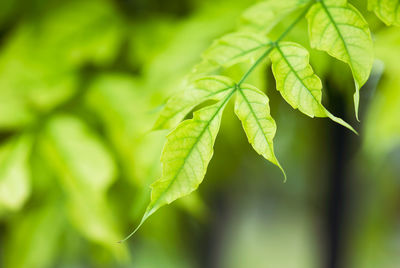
(81, 84)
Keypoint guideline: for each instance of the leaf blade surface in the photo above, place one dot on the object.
(297, 82)
(236, 47)
(198, 91)
(339, 29)
(252, 108)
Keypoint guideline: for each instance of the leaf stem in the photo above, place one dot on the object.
(273, 44)
(260, 59)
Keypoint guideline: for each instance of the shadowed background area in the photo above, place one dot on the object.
(81, 85)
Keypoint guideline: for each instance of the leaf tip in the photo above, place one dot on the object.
(282, 170)
(356, 102)
(340, 121)
(146, 215)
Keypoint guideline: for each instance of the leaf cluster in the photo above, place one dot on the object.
(334, 26)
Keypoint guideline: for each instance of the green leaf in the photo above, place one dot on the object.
(236, 47)
(85, 158)
(387, 10)
(297, 82)
(263, 16)
(252, 108)
(14, 173)
(34, 239)
(339, 29)
(185, 157)
(85, 169)
(198, 91)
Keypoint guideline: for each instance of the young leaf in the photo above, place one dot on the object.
(387, 10)
(199, 90)
(252, 108)
(236, 47)
(263, 16)
(185, 157)
(297, 82)
(339, 29)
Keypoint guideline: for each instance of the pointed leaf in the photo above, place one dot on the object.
(199, 90)
(297, 82)
(185, 157)
(387, 10)
(236, 47)
(186, 154)
(339, 29)
(263, 16)
(252, 108)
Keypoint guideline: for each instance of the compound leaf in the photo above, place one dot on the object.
(387, 10)
(339, 29)
(252, 108)
(236, 47)
(185, 157)
(297, 82)
(198, 91)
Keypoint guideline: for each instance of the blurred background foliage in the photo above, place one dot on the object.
(81, 84)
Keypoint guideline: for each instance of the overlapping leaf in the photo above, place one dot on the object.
(236, 47)
(387, 10)
(185, 157)
(86, 170)
(199, 90)
(334, 26)
(297, 82)
(339, 29)
(263, 16)
(252, 108)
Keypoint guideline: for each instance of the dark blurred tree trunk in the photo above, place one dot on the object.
(342, 147)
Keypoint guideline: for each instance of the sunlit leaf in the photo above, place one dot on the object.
(236, 47)
(198, 91)
(297, 82)
(14, 173)
(263, 16)
(185, 157)
(339, 29)
(387, 10)
(86, 169)
(252, 108)
(40, 58)
(84, 155)
(117, 99)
